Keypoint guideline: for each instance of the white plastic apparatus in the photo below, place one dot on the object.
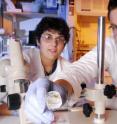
(97, 94)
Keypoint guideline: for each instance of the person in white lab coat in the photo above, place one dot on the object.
(85, 69)
(52, 34)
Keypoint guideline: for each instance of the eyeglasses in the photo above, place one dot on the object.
(113, 27)
(49, 38)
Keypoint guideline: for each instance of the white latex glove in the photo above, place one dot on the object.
(35, 102)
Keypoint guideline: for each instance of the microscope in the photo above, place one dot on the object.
(100, 93)
(13, 80)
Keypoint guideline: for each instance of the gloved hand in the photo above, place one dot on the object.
(35, 105)
(35, 100)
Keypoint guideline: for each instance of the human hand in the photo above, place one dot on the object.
(35, 102)
(4, 109)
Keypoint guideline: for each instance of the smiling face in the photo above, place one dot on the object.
(113, 22)
(51, 44)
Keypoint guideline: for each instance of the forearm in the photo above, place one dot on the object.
(66, 85)
(4, 110)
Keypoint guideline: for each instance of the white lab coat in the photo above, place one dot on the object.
(85, 69)
(36, 70)
(33, 65)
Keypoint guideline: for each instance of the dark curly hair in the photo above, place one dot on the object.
(54, 23)
(111, 6)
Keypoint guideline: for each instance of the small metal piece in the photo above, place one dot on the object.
(23, 84)
(14, 101)
(87, 109)
(99, 116)
(3, 88)
(101, 49)
(110, 91)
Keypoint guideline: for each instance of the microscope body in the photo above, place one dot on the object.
(13, 77)
(100, 93)
(99, 99)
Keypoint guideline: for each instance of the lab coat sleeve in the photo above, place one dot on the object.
(112, 103)
(28, 54)
(83, 70)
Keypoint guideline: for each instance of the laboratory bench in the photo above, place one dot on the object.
(9, 120)
(68, 117)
